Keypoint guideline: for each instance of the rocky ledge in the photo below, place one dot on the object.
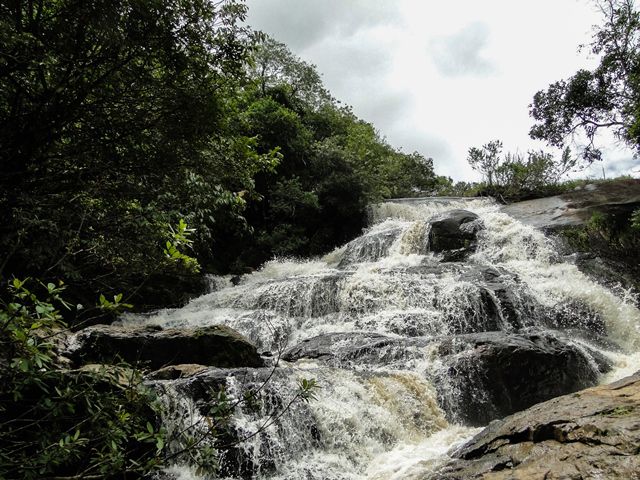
(594, 433)
(153, 347)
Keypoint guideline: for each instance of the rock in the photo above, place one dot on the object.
(174, 372)
(369, 247)
(485, 376)
(260, 394)
(454, 234)
(344, 349)
(594, 433)
(479, 377)
(155, 348)
(576, 207)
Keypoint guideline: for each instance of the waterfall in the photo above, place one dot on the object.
(400, 341)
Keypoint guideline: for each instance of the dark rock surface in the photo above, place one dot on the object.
(590, 434)
(155, 348)
(454, 234)
(489, 375)
(343, 349)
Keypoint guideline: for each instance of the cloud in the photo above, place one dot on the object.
(301, 26)
(623, 166)
(460, 54)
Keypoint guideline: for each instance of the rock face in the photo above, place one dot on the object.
(591, 434)
(575, 208)
(454, 234)
(493, 374)
(154, 347)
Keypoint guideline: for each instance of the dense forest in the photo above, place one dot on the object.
(119, 119)
(146, 143)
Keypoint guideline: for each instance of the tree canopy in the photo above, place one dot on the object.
(607, 97)
(121, 120)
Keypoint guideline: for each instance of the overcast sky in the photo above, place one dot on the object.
(436, 76)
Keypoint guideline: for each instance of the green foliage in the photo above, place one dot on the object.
(61, 422)
(516, 176)
(180, 239)
(307, 388)
(121, 118)
(331, 164)
(486, 159)
(113, 125)
(603, 98)
(635, 220)
(613, 235)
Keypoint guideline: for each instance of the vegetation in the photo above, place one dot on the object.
(98, 421)
(515, 176)
(58, 422)
(115, 124)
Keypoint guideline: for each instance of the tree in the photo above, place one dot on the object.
(486, 159)
(607, 97)
(113, 119)
(516, 174)
(273, 65)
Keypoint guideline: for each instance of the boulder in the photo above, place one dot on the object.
(593, 433)
(454, 234)
(155, 348)
(485, 376)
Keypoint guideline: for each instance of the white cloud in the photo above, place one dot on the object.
(462, 53)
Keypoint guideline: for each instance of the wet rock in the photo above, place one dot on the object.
(593, 433)
(369, 247)
(575, 316)
(174, 372)
(503, 307)
(454, 235)
(343, 349)
(155, 348)
(257, 393)
(485, 376)
(479, 377)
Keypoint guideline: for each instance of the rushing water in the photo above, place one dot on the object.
(386, 407)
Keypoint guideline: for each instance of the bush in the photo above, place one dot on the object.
(56, 421)
(516, 176)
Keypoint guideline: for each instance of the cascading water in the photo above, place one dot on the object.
(397, 340)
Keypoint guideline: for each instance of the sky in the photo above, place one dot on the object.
(439, 77)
